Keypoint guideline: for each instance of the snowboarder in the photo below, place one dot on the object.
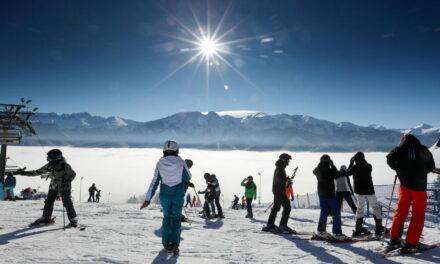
(61, 176)
(98, 195)
(412, 161)
(9, 186)
(212, 180)
(344, 189)
(188, 200)
(280, 198)
(171, 173)
(326, 173)
(250, 192)
(360, 169)
(235, 204)
(92, 191)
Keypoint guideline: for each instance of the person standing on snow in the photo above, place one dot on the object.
(92, 191)
(344, 189)
(280, 199)
(212, 180)
(412, 161)
(98, 195)
(61, 176)
(9, 185)
(235, 204)
(250, 192)
(243, 202)
(326, 173)
(188, 200)
(364, 189)
(171, 173)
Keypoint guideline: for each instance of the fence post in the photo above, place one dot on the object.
(308, 200)
(297, 200)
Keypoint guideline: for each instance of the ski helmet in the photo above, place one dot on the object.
(189, 163)
(325, 158)
(359, 156)
(170, 145)
(54, 154)
(285, 156)
(206, 175)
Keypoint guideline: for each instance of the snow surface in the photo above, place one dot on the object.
(121, 233)
(124, 172)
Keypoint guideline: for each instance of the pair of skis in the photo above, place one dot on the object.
(399, 252)
(52, 221)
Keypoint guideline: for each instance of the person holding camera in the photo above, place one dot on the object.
(250, 193)
(361, 170)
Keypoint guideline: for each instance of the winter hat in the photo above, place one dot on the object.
(285, 156)
(206, 175)
(189, 163)
(359, 156)
(54, 154)
(250, 178)
(325, 158)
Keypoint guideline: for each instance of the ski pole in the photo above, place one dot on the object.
(268, 207)
(197, 195)
(389, 204)
(187, 216)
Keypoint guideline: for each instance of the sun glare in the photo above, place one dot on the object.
(208, 46)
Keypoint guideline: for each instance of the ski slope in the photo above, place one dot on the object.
(121, 233)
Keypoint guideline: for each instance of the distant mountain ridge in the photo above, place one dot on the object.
(247, 130)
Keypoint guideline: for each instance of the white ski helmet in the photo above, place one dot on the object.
(170, 145)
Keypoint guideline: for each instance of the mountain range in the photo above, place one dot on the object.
(245, 130)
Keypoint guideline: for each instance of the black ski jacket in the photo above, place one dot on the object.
(326, 173)
(279, 179)
(412, 161)
(363, 182)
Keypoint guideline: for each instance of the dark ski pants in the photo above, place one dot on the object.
(67, 203)
(280, 200)
(249, 205)
(91, 197)
(325, 204)
(217, 203)
(408, 197)
(340, 196)
(188, 202)
(235, 206)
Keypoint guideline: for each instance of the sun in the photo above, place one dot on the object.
(208, 46)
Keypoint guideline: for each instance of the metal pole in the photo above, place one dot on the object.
(3, 163)
(308, 200)
(108, 200)
(80, 188)
(259, 192)
(389, 204)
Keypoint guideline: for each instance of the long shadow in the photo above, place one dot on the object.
(17, 234)
(303, 220)
(158, 232)
(213, 225)
(319, 252)
(368, 254)
(253, 220)
(164, 257)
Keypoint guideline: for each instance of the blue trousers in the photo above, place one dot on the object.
(331, 203)
(171, 223)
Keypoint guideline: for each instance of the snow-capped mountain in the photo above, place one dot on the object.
(222, 130)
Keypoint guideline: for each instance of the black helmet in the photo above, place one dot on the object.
(206, 175)
(189, 163)
(325, 158)
(54, 154)
(359, 156)
(285, 156)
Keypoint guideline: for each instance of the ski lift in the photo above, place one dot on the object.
(10, 138)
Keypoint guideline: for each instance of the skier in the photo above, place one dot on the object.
(92, 191)
(188, 200)
(412, 161)
(172, 173)
(61, 175)
(243, 202)
(280, 198)
(344, 189)
(212, 180)
(9, 186)
(235, 204)
(364, 189)
(98, 195)
(250, 192)
(326, 173)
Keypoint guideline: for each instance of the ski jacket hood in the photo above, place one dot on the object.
(280, 163)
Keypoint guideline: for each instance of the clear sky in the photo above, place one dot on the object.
(371, 61)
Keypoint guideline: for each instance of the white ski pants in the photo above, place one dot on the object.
(361, 205)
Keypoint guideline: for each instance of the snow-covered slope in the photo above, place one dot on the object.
(121, 233)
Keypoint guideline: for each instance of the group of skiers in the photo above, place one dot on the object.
(411, 161)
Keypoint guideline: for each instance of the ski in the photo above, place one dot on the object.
(398, 251)
(35, 224)
(79, 227)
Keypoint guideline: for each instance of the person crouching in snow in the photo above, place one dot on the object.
(412, 162)
(326, 173)
(61, 175)
(171, 173)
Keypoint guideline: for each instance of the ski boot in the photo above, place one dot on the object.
(322, 236)
(43, 221)
(73, 223)
(393, 244)
(407, 248)
(340, 237)
(221, 216)
(360, 230)
(379, 231)
(286, 230)
(271, 228)
(174, 248)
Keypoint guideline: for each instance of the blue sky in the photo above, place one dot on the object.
(359, 61)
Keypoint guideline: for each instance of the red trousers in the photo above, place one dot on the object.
(418, 201)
